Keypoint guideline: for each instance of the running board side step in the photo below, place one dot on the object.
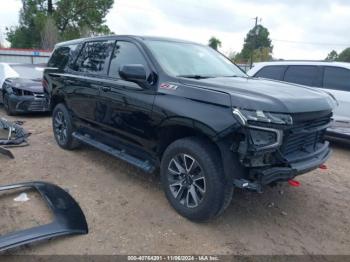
(145, 165)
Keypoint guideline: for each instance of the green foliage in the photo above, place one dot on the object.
(332, 56)
(344, 56)
(74, 17)
(67, 19)
(262, 54)
(257, 44)
(214, 43)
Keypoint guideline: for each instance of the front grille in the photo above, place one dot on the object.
(34, 105)
(304, 136)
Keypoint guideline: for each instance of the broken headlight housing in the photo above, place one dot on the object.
(250, 116)
(263, 137)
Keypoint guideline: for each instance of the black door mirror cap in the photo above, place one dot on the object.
(134, 73)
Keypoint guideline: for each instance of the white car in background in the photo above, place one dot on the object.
(6, 71)
(333, 77)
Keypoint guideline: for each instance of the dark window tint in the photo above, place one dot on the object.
(94, 57)
(125, 53)
(303, 75)
(337, 78)
(61, 56)
(272, 72)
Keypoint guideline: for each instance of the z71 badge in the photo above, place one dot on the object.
(168, 86)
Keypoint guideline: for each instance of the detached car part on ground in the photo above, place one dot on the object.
(21, 90)
(11, 134)
(68, 219)
(188, 110)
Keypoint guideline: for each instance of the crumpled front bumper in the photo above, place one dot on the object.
(297, 165)
(22, 104)
(294, 165)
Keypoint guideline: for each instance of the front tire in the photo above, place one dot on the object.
(193, 179)
(7, 106)
(63, 127)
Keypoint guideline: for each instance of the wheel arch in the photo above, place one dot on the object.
(168, 134)
(55, 100)
(170, 131)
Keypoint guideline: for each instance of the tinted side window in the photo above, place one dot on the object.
(303, 75)
(337, 78)
(272, 72)
(94, 57)
(61, 56)
(126, 53)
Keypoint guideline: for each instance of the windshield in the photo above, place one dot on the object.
(192, 60)
(28, 71)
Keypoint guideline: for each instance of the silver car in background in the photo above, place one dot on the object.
(332, 77)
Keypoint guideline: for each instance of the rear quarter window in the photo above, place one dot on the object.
(63, 56)
(272, 72)
(304, 75)
(336, 78)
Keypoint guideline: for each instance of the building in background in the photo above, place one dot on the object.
(25, 56)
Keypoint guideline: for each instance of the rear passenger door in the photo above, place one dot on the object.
(336, 80)
(125, 108)
(308, 75)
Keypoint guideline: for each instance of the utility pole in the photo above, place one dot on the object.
(255, 39)
(49, 7)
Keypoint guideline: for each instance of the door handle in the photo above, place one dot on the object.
(106, 88)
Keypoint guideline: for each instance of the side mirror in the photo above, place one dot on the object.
(133, 72)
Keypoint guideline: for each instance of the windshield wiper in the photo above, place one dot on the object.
(195, 76)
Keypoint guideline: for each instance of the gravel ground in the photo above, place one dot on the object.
(128, 213)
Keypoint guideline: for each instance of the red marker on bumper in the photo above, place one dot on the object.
(293, 183)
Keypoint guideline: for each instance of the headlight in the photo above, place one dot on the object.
(264, 138)
(16, 91)
(246, 116)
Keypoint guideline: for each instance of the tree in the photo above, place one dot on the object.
(344, 56)
(262, 54)
(256, 43)
(332, 56)
(73, 16)
(49, 34)
(214, 43)
(43, 22)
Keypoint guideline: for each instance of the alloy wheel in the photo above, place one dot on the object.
(186, 180)
(60, 126)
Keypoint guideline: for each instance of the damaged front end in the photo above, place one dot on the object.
(11, 134)
(277, 147)
(69, 219)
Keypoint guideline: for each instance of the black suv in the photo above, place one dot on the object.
(184, 108)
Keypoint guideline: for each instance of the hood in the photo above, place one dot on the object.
(268, 95)
(31, 85)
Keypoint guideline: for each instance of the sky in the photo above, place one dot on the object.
(299, 29)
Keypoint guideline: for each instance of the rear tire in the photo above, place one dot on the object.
(63, 127)
(193, 179)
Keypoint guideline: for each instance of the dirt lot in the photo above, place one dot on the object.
(128, 213)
